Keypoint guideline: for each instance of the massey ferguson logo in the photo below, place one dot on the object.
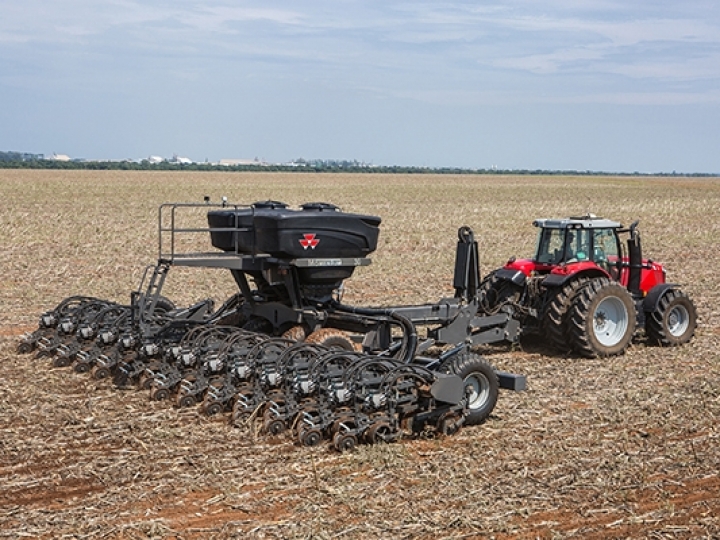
(309, 241)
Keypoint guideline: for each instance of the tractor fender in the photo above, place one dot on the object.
(510, 274)
(559, 280)
(652, 300)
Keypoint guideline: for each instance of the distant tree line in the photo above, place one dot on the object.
(17, 160)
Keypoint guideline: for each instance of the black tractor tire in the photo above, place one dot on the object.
(495, 294)
(602, 319)
(674, 320)
(331, 338)
(481, 384)
(554, 323)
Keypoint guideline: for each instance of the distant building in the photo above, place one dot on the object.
(181, 160)
(60, 157)
(235, 162)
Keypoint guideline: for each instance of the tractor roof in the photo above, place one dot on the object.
(584, 222)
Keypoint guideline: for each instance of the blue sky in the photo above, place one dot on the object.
(559, 84)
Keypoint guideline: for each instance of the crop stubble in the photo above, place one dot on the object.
(619, 447)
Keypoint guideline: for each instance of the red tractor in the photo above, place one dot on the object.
(588, 291)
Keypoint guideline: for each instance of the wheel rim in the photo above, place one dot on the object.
(213, 409)
(276, 427)
(610, 321)
(478, 388)
(311, 438)
(345, 443)
(678, 320)
(379, 432)
(187, 401)
(61, 361)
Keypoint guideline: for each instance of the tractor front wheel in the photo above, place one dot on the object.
(481, 384)
(674, 320)
(602, 319)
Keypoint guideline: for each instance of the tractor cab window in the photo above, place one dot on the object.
(577, 245)
(605, 250)
(550, 246)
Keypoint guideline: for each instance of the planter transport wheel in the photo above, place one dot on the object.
(481, 384)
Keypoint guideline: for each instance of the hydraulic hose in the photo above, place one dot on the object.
(409, 333)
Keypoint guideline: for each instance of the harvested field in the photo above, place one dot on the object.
(625, 447)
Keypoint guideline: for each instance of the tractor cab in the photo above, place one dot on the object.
(589, 240)
(588, 246)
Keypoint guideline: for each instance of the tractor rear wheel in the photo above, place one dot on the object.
(674, 320)
(331, 338)
(601, 321)
(554, 322)
(481, 384)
